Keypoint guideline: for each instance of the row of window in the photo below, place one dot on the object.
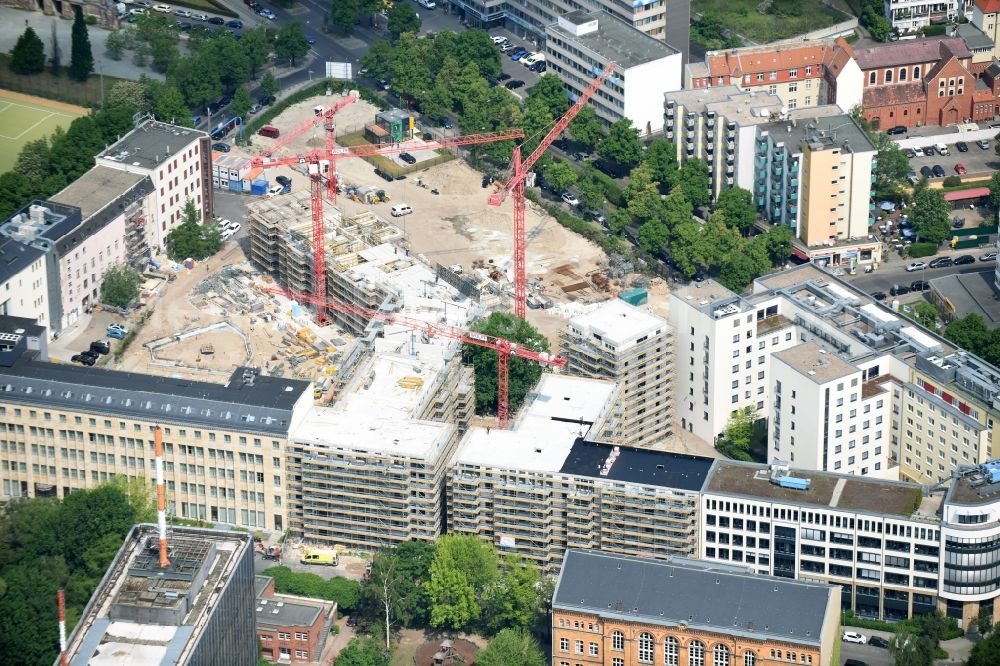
(696, 651)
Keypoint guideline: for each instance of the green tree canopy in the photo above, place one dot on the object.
(523, 373)
(402, 18)
(452, 597)
(621, 145)
(115, 44)
(694, 182)
(129, 94)
(346, 592)
(995, 191)
(343, 16)
(291, 43)
(892, 164)
(661, 158)
(192, 240)
(740, 427)
(560, 176)
(550, 91)
(241, 102)
(586, 129)
(81, 59)
(908, 648)
(28, 54)
(738, 207)
(378, 58)
(120, 285)
(509, 647)
(931, 215)
(513, 599)
(268, 83)
(362, 651)
(33, 161)
(986, 652)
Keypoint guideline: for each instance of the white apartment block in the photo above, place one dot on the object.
(580, 44)
(910, 15)
(634, 348)
(826, 415)
(178, 162)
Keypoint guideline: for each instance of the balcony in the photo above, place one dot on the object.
(761, 201)
(777, 170)
(793, 210)
(776, 212)
(794, 182)
(776, 197)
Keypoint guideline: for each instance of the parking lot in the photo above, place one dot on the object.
(977, 161)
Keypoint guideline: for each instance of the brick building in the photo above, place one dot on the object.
(619, 610)
(922, 82)
(291, 629)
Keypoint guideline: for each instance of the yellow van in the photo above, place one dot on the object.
(323, 556)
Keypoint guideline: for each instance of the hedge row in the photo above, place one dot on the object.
(918, 250)
(612, 192)
(849, 619)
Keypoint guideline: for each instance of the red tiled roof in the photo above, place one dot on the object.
(740, 62)
(910, 52)
(901, 93)
(988, 6)
(972, 193)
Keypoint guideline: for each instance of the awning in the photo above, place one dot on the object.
(887, 206)
(971, 193)
(800, 253)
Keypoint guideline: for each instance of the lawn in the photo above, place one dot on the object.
(780, 20)
(24, 118)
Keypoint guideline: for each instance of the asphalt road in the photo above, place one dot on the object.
(894, 272)
(872, 656)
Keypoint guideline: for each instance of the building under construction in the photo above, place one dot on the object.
(198, 609)
(281, 239)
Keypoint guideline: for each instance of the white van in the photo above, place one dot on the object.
(941, 148)
(533, 58)
(427, 4)
(399, 210)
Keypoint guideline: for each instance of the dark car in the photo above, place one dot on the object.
(266, 100)
(879, 642)
(218, 133)
(382, 174)
(235, 24)
(184, 26)
(899, 290)
(408, 158)
(310, 39)
(225, 101)
(926, 172)
(894, 131)
(962, 147)
(215, 20)
(504, 76)
(855, 662)
(909, 153)
(446, 123)
(965, 259)
(929, 151)
(221, 147)
(938, 171)
(284, 181)
(538, 67)
(100, 347)
(920, 285)
(878, 295)
(941, 262)
(514, 85)
(428, 136)
(85, 359)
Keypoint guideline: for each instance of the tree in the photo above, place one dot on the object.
(586, 129)
(378, 59)
(509, 647)
(256, 44)
(879, 28)
(362, 651)
(560, 176)
(995, 191)
(986, 652)
(115, 44)
(778, 241)
(56, 59)
(661, 158)
(694, 182)
(739, 430)
(468, 554)
(140, 493)
(190, 239)
(738, 207)
(653, 236)
(475, 45)
(120, 285)
(241, 102)
(621, 145)
(513, 599)
(524, 374)
(81, 59)
(168, 104)
(28, 54)
(908, 648)
(291, 42)
(984, 620)
(164, 53)
(33, 162)
(268, 84)
(129, 94)
(931, 216)
(402, 19)
(452, 598)
(591, 194)
(925, 313)
(969, 332)
(744, 266)
(343, 16)
(550, 92)
(892, 164)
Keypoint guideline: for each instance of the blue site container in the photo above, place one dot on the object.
(236, 185)
(258, 188)
(634, 296)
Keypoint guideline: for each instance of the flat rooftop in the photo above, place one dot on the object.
(816, 363)
(703, 293)
(841, 491)
(971, 293)
(23, 239)
(151, 144)
(652, 468)
(279, 612)
(821, 127)
(700, 595)
(730, 102)
(619, 324)
(98, 188)
(141, 614)
(973, 485)
(613, 41)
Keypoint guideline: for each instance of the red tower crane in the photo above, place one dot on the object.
(516, 185)
(320, 163)
(504, 348)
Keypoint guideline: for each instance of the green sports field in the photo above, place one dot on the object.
(24, 118)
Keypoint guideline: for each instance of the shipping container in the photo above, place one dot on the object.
(258, 188)
(634, 296)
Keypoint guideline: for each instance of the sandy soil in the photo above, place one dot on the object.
(227, 350)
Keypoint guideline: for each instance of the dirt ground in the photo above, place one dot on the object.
(227, 351)
(411, 640)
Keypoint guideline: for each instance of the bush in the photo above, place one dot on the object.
(345, 592)
(90, 20)
(612, 192)
(952, 181)
(727, 449)
(918, 250)
(934, 30)
(849, 619)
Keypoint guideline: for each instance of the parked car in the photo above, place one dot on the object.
(504, 76)
(570, 199)
(284, 181)
(183, 13)
(855, 637)
(960, 169)
(989, 256)
(895, 131)
(597, 215)
(122, 328)
(878, 295)
(498, 39)
(408, 158)
(221, 147)
(962, 147)
(217, 20)
(100, 346)
(929, 151)
(163, 9)
(200, 17)
(915, 266)
(910, 153)
(382, 174)
(266, 100)
(920, 285)
(235, 24)
(918, 152)
(310, 39)
(926, 172)
(855, 662)
(965, 259)
(509, 47)
(539, 67)
(518, 54)
(84, 359)
(938, 171)
(879, 642)
(184, 26)
(899, 290)
(983, 143)
(514, 85)
(941, 262)
(268, 14)
(254, 109)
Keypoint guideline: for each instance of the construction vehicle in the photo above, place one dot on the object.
(322, 556)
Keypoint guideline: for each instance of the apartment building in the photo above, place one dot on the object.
(291, 629)
(896, 549)
(943, 400)
(114, 206)
(907, 16)
(635, 349)
(579, 45)
(718, 125)
(980, 45)
(29, 277)
(801, 75)
(618, 610)
(986, 17)
(178, 162)
(196, 610)
(814, 173)
(550, 483)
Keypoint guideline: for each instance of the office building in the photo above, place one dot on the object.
(814, 174)
(291, 629)
(718, 126)
(635, 349)
(620, 610)
(114, 206)
(906, 16)
(196, 610)
(178, 162)
(550, 483)
(580, 44)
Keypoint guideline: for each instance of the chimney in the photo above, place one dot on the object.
(62, 627)
(161, 513)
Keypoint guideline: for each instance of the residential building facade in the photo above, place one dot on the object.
(618, 610)
(579, 45)
(986, 17)
(291, 629)
(622, 343)
(907, 16)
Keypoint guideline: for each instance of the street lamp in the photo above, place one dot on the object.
(310, 76)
